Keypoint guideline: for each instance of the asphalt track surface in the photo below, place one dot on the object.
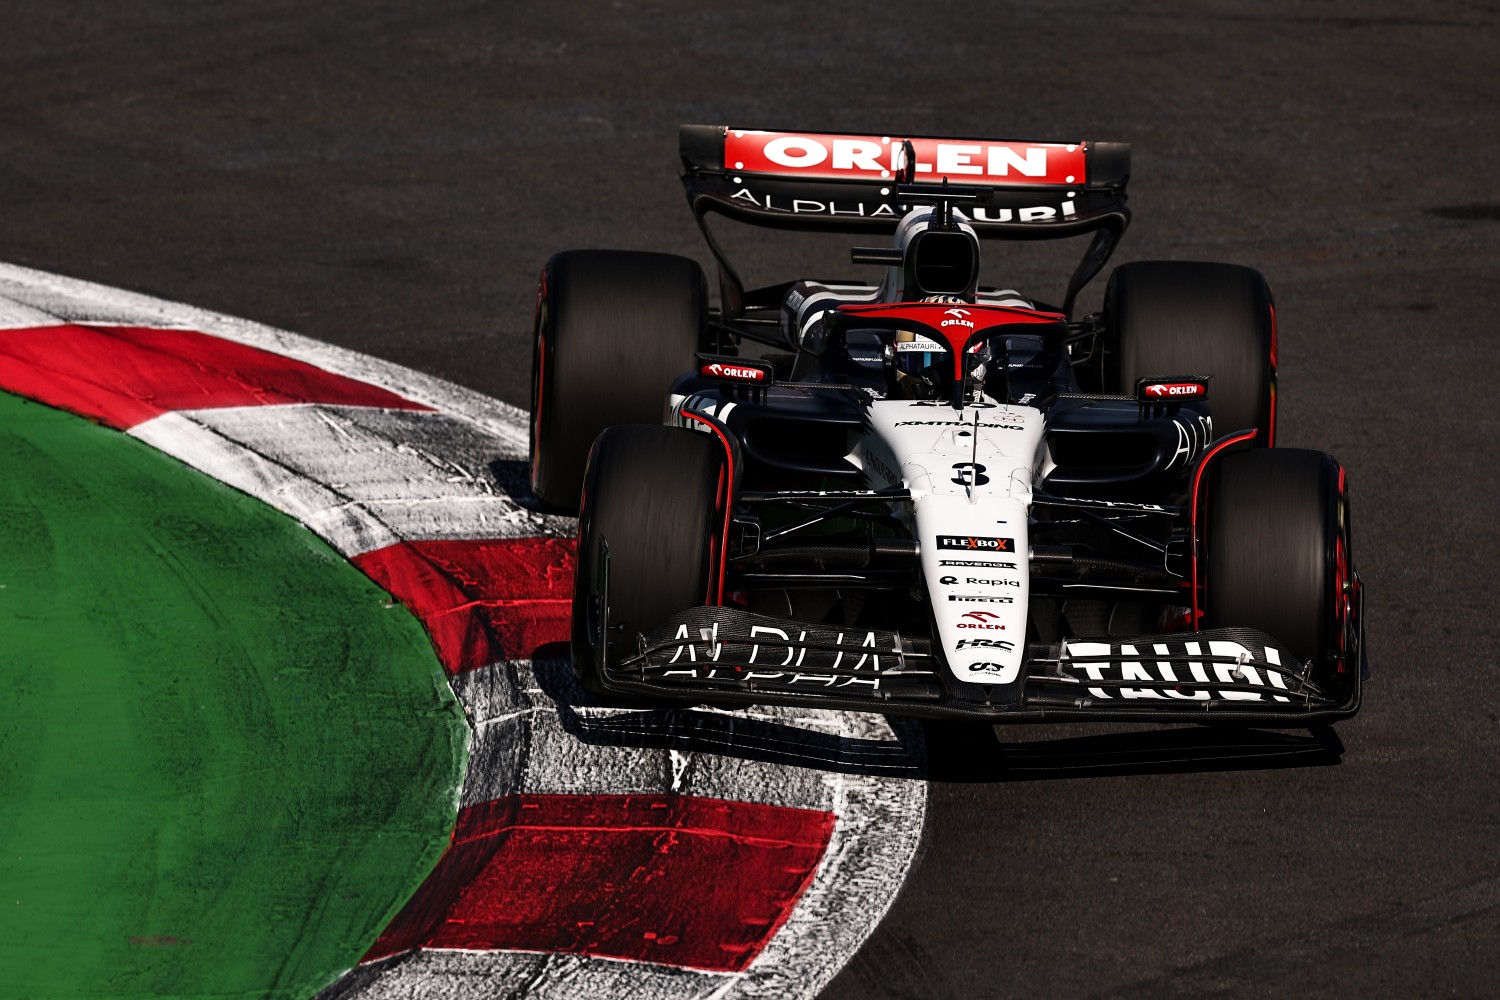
(390, 179)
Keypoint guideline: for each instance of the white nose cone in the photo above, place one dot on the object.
(970, 473)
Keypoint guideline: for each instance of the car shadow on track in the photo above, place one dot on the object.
(769, 735)
(948, 751)
(513, 476)
(972, 753)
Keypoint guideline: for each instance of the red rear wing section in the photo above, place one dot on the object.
(828, 156)
(847, 183)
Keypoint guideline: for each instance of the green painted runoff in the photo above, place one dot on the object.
(226, 759)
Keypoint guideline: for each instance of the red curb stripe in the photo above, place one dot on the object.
(481, 602)
(123, 376)
(674, 880)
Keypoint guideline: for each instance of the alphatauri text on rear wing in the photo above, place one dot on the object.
(835, 182)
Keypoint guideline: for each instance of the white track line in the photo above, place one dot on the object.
(462, 975)
(421, 475)
(364, 478)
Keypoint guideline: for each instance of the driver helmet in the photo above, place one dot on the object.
(924, 365)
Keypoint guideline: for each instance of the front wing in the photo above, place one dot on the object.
(725, 654)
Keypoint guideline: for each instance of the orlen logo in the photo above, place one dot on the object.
(960, 318)
(982, 619)
(737, 372)
(870, 157)
(1170, 390)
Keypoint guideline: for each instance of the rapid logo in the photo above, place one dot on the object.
(949, 581)
(976, 543)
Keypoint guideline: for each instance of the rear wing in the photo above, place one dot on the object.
(833, 182)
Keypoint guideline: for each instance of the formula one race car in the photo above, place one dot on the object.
(936, 497)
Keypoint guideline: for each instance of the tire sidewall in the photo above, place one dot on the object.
(613, 330)
(657, 496)
(1166, 318)
(1279, 550)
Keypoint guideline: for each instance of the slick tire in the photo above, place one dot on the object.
(1278, 553)
(656, 497)
(1167, 317)
(613, 329)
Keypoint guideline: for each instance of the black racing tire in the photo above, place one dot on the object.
(656, 495)
(1277, 555)
(1165, 317)
(613, 329)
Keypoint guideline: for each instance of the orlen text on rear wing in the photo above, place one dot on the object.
(848, 183)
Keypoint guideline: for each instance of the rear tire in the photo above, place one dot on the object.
(614, 329)
(1193, 318)
(656, 495)
(1278, 550)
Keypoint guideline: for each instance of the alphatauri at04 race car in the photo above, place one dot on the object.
(933, 496)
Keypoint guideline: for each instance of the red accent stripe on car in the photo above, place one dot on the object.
(481, 601)
(1193, 540)
(1271, 432)
(728, 505)
(539, 377)
(125, 375)
(671, 879)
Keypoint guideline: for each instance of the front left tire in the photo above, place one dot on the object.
(656, 496)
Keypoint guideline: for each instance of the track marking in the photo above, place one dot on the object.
(370, 478)
(121, 375)
(694, 882)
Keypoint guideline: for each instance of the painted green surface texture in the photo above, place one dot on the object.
(225, 758)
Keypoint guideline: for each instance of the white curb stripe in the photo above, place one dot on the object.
(42, 299)
(364, 478)
(472, 975)
(421, 475)
(701, 751)
(348, 527)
